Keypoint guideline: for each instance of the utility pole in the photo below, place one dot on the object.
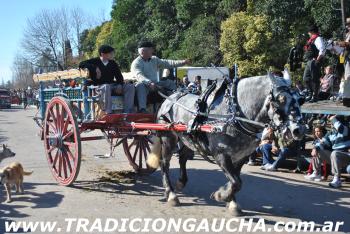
(342, 4)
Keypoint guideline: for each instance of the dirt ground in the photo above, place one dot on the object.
(273, 196)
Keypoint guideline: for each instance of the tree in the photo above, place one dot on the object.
(201, 42)
(22, 73)
(104, 36)
(49, 34)
(41, 35)
(89, 41)
(128, 29)
(246, 40)
(327, 16)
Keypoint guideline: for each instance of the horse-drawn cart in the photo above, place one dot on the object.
(67, 113)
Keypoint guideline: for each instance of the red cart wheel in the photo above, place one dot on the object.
(137, 150)
(62, 141)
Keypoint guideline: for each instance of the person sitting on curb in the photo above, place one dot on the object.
(315, 175)
(338, 140)
(285, 147)
(265, 148)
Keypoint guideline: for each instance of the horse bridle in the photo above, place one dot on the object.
(274, 93)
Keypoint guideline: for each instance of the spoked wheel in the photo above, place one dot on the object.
(137, 150)
(62, 141)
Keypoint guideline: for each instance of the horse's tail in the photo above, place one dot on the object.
(153, 159)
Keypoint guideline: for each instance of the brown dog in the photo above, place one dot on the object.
(13, 175)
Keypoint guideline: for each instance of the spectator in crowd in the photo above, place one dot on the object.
(285, 147)
(185, 81)
(299, 86)
(265, 148)
(314, 53)
(326, 84)
(167, 74)
(341, 90)
(315, 175)
(334, 148)
(195, 87)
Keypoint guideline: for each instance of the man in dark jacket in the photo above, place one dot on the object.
(314, 52)
(105, 73)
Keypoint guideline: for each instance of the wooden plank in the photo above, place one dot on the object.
(73, 74)
(328, 107)
(66, 74)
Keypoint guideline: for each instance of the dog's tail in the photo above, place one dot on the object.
(153, 159)
(27, 172)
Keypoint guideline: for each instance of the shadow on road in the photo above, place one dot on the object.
(290, 198)
(33, 200)
(11, 110)
(3, 138)
(260, 196)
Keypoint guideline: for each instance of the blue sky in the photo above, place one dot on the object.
(13, 16)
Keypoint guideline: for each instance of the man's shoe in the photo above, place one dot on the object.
(264, 167)
(312, 176)
(143, 110)
(336, 183)
(271, 168)
(297, 171)
(313, 100)
(307, 176)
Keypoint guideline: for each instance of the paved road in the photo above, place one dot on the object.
(275, 196)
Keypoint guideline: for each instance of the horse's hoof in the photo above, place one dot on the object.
(179, 185)
(235, 209)
(173, 200)
(8, 201)
(237, 213)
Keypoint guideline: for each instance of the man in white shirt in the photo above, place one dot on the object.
(314, 51)
(145, 68)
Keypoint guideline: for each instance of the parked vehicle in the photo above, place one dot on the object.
(5, 98)
(15, 99)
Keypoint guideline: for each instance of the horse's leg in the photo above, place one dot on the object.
(184, 153)
(168, 142)
(227, 193)
(233, 205)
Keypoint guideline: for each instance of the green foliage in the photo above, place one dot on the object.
(203, 34)
(327, 16)
(246, 40)
(129, 18)
(89, 42)
(104, 37)
(256, 34)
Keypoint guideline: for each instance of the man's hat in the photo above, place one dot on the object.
(313, 28)
(347, 22)
(145, 44)
(105, 49)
